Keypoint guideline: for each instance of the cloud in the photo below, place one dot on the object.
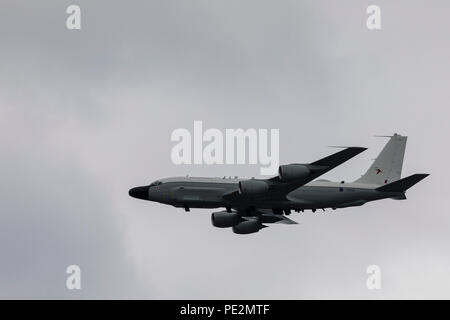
(86, 115)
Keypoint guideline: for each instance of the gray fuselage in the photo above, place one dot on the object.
(192, 192)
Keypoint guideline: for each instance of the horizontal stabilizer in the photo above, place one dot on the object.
(402, 184)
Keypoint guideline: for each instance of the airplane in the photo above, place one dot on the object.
(250, 204)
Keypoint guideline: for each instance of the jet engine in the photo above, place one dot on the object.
(293, 171)
(252, 187)
(246, 227)
(224, 219)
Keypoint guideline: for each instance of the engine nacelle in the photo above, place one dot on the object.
(252, 187)
(293, 171)
(246, 227)
(224, 219)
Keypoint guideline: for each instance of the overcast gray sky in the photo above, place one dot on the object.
(85, 115)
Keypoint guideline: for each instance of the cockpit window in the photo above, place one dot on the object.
(156, 183)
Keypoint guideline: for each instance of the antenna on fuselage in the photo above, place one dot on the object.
(381, 136)
(340, 147)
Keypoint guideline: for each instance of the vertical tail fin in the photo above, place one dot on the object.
(387, 167)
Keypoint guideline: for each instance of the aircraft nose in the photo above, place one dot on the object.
(139, 192)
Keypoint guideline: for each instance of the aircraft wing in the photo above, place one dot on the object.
(279, 188)
(316, 168)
